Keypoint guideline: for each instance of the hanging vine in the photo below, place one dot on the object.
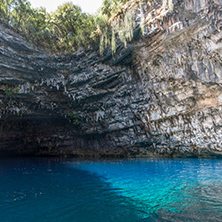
(121, 24)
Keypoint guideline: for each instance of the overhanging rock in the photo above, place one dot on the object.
(160, 95)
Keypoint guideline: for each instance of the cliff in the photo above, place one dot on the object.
(161, 94)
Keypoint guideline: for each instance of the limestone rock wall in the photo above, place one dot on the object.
(160, 95)
(182, 77)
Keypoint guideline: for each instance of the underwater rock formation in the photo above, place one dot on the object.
(161, 94)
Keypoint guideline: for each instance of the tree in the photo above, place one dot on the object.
(71, 26)
(68, 28)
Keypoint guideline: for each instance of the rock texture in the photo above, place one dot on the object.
(160, 95)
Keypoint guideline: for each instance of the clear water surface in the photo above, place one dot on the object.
(55, 190)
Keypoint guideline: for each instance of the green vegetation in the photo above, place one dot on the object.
(115, 21)
(68, 28)
(62, 31)
(74, 118)
(10, 92)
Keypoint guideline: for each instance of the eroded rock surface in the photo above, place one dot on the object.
(160, 95)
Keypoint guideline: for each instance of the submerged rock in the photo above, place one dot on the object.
(161, 95)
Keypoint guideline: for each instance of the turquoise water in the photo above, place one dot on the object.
(42, 189)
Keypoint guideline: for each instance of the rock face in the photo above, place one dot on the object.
(160, 95)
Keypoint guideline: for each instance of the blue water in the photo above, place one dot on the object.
(55, 190)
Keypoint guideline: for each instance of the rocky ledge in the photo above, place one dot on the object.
(161, 95)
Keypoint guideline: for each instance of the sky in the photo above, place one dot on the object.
(89, 6)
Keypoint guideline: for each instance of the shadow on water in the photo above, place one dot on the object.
(38, 189)
(54, 190)
(164, 189)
